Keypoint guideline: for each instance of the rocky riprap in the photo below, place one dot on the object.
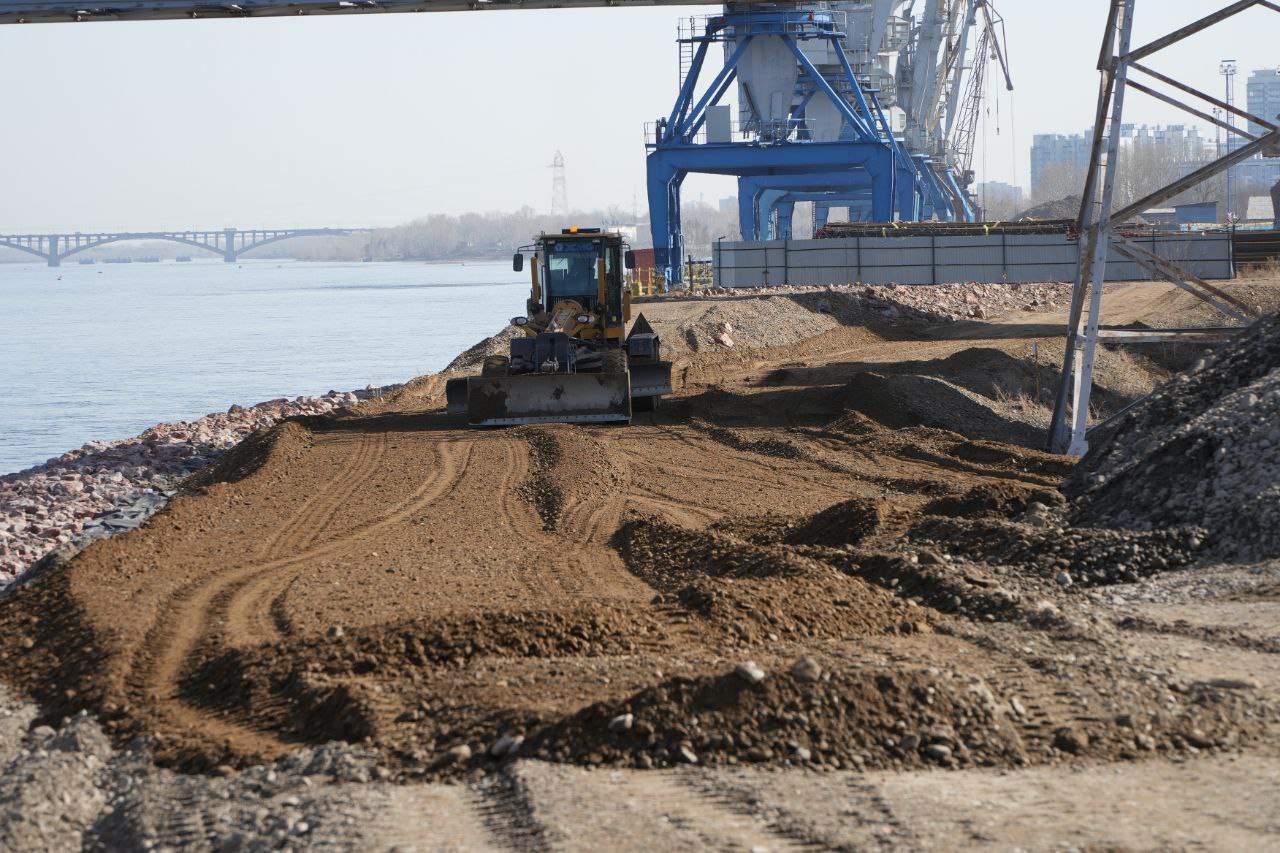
(108, 486)
(1204, 449)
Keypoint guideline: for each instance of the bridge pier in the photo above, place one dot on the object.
(55, 260)
(229, 253)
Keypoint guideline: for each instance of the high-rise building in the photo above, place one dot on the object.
(1263, 97)
(1054, 155)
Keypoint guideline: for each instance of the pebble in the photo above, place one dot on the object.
(456, 755)
(750, 672)
(621, 723)
(806, 669)
(1235, 683)
(1071, 740)
(687, 754)
(938, 752)
(504, 746)
(1063, 579)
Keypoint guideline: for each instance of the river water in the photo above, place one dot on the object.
(104, 351)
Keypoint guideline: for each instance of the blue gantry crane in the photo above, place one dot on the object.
(836, 128)
(887, 134)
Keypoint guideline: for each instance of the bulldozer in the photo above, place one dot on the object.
(576, 362)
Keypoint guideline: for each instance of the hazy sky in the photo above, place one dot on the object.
(377, 119)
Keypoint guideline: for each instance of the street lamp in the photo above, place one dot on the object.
(1227, 68)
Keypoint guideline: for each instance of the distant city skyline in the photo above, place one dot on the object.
(378, 119)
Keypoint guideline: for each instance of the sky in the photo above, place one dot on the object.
(379, 119)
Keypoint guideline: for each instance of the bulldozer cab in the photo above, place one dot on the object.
(571, 270)
(584, 265)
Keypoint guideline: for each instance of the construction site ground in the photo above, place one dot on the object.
(819, 599)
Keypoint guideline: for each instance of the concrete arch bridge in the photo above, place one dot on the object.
(230, 243)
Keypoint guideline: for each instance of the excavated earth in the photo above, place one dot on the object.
(840, 556)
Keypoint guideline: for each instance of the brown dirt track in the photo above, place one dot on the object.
(387, 577)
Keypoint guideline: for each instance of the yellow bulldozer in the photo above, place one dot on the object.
(577, 362)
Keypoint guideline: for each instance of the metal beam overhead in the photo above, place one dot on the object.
(63, 11)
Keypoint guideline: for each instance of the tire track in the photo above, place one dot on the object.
(248, 607)
(190, 616)
(298, 531)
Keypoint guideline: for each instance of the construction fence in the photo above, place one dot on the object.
(942, 259)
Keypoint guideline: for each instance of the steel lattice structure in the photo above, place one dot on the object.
(1100, 223)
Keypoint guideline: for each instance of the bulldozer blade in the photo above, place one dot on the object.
(651, 379)
(535, 398)
(455, 393)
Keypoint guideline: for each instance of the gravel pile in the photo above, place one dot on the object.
(934, 303)
(859, 719)
(52, 504)
(1070, 556)
(755, 323)
(1204, 449)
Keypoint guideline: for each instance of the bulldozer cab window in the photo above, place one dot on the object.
(571, 271)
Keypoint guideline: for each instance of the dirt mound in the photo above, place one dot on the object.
(863, 718)
(752, 592)
(847, 523)
(287, 440)
(900, 401)
(567, 467)
(1000, 500)
(1204, 449)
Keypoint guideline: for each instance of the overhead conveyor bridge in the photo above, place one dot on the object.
(62, 11)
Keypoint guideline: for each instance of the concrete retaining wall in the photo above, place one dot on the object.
(990, 259)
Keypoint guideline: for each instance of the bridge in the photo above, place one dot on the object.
(228, 242)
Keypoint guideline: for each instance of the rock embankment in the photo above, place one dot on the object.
(122, 482)
(1203, 450)
(933, 303)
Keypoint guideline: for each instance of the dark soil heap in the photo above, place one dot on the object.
(1203, 450)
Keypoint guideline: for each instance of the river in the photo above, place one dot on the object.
(104, 351)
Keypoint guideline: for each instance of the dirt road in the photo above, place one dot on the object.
(452, 599)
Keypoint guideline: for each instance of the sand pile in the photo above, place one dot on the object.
(1204, 450)
(51, 504)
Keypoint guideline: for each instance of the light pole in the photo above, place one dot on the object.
(1228, 70)
(719, 250)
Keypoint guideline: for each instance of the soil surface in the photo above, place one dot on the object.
(836, 553)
